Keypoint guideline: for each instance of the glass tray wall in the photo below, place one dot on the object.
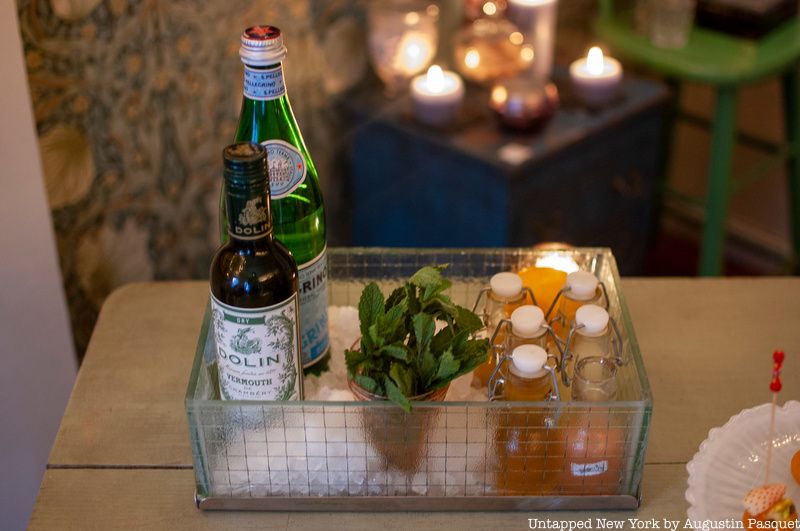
(309, 455)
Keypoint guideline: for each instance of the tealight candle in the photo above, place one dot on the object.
(596, 78)
(437, 96)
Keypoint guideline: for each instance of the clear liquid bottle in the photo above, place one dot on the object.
(298, 213)
(591, 337)
(594, 436)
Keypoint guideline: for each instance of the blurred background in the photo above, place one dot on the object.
(133, 101)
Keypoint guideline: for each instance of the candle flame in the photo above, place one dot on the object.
(559, 262)
(526, 53)
(473, 58)
(595, 61)
(499, 95)
(435, 79)
(411, 18)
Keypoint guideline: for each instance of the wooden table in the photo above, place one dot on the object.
(122, 457)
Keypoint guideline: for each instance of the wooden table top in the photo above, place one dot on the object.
(122, 458)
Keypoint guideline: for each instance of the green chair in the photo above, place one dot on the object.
(726, 63)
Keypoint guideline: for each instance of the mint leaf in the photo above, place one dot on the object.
(427, 277)
(367, 383)
(427, 368)
(442, 339)
(370, 307)
(448, 366)
(466, 320)
(396, 351)
(376, 339)
(396, 296)
(424, 328)
(353, 359)
(403, 377)
(394, 394)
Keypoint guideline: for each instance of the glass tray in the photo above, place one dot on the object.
(444, 456)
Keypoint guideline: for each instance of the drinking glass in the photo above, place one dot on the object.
(670, 22)
(595, 379)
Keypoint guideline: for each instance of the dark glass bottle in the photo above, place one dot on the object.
(254, 290)
(298, 213)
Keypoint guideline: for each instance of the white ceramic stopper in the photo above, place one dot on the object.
(582, 285)
(593, 318)
(506, 285)
(527, 321)
(529, 361)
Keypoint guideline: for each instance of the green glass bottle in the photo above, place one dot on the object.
(254, 290)
(298, 214)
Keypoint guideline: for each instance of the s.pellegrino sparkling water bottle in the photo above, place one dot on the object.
(298, 214)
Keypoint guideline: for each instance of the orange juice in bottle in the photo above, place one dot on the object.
(580, 288)
(523, 433)
(505, 294)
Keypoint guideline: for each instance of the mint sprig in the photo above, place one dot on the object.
(401, 355)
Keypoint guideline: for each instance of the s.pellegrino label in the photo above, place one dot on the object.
(257, 351)
(287, 168)
(263, 84)
(313, 277)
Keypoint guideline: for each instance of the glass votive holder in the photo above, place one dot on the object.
(521, 104)
(490, 49)
(595, 379)
(670, 22)
(402, 39)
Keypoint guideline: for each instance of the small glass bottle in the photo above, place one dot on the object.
(594, 437)
(528, 379)
(590, 336)
(523, 436)
(527, 328)
(580, 288)
(505, 294)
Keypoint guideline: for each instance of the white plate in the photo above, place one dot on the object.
(731, 461)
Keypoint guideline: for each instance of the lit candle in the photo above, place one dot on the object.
(437, 96)
(537, 21)
(596, 78)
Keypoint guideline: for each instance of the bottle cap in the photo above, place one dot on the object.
(262, 46)
(529, 361)
(244, 164)
(593, 318)
(506, 285)
(582, 285)
(527, 321)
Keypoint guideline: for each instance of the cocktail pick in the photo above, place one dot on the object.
(775, 387)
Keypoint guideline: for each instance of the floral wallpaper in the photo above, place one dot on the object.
(134, 101)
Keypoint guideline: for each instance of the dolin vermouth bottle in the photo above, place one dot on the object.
(298, 214)
(254, 290)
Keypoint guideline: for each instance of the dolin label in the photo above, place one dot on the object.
(247, 219)
(257, 351)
